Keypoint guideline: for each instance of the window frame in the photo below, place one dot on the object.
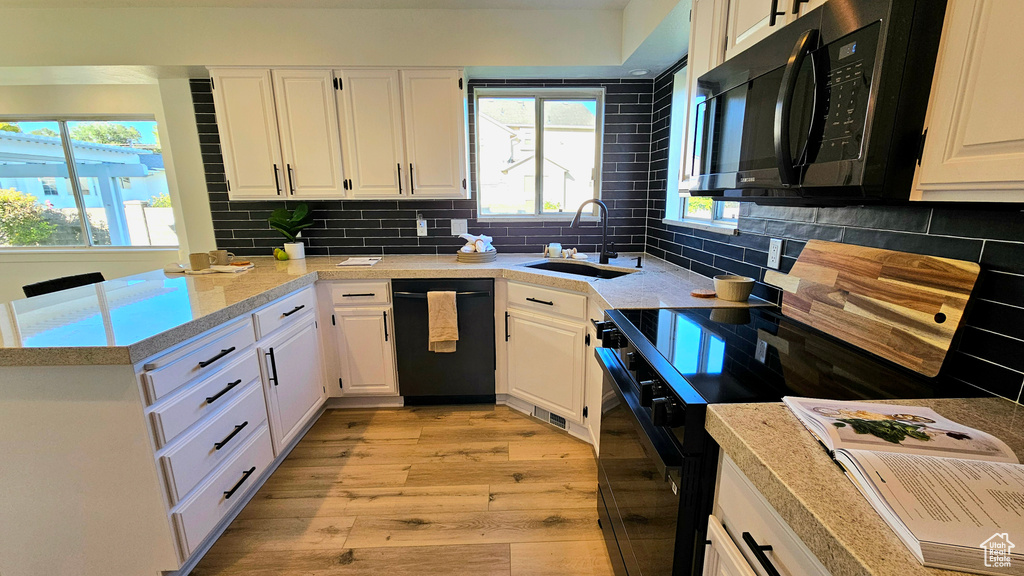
(74, 183)
(540, 94)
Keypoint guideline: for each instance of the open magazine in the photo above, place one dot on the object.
(954, 495)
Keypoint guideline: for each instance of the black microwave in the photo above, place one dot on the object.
(829, 110)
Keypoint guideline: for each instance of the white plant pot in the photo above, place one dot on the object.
(295, 250)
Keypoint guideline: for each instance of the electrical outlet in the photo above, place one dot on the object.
(774, 253)
(459, 226)
(421, 225)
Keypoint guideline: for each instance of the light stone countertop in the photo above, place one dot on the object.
(813, 495)
(126, 320)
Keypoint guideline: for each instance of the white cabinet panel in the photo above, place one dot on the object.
(545, 362)
(246, 119)
(370, 106)
(366, 351)
(749, 21)
(706, 52)
(433, 111)
(293, 379)
(722, 557)
(310, 136)
(975, 145)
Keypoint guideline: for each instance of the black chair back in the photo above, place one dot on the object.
(63, 283)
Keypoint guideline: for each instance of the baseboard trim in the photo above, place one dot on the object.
(365, 402)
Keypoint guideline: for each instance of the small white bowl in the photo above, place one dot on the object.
(733, 288)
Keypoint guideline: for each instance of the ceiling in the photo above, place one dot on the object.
(379, 4)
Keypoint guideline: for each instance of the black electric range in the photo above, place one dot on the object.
(657, 464)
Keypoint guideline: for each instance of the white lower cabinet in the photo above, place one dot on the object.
(546, 362)
(292, 378)
(722, 557)
(366, 351)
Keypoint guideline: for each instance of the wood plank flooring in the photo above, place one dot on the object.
(474, 490)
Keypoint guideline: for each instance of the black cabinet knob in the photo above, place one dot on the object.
(666, 412)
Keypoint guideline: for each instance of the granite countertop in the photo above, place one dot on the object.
(128, 319)
(816, 498)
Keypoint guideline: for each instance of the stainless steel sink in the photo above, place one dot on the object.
(578, 269)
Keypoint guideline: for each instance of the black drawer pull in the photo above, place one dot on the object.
(544, 302)
(224, 442)
(245, 476)
(294, 310)
(358, 295)
(212, 399)
(219, 355)
(759, 553)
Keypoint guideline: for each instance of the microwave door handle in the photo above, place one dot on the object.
(819, 110)
(784, 106)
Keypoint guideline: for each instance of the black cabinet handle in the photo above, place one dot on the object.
(385, 326)
(399, 177)
(293, 310)
(212, 399)
(358, 295)
(224, 442)
(544, 302)
(219, 355)
(412, 183)
(796, 5)
(245, 476)
(759, 553)
(273, 366)
(775, 13)
(506, 326)
(291, 178)
(277, 181)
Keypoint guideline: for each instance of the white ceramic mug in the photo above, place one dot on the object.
(221, 257)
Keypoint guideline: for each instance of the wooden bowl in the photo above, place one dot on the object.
(733, 288)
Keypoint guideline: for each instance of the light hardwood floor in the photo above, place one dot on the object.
(475, 490)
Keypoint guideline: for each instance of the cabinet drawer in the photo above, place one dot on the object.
(360, 293)
(277, 314)
(197, 516)
(741, 508)
(179, 412)
(210, 354)
(188, 461)
(546, 300)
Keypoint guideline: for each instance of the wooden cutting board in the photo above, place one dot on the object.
(903, 307)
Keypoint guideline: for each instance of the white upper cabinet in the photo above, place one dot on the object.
(405, 132)
(706, 52)
(310, 137)
(370, 108)
(749, 21)
(432, 103)
(246, 119)
(974, 150)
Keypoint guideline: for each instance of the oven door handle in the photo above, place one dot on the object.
(784, 105)
(621, 380)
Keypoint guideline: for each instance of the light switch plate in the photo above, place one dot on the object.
(421, 226)
(774, 253)
(459, 226)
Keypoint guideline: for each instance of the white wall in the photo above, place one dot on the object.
(181, 157)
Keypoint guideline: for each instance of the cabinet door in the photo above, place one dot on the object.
(246, 119)
(705, 53)
(545, 362)
(433, 112)
(749, 21)
(310, 138)
(722, 557)
(293, 379)
(975, 145)
(366, 350)
(370, 105)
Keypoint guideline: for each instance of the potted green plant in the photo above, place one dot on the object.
(291, 224)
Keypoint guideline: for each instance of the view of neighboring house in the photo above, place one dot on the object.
(114, 180)
(507, 154)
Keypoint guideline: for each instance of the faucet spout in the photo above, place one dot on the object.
(606, 254)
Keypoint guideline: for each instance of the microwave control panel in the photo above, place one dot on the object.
(851, 61)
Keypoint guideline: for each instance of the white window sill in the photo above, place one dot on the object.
(723, 228)
(560, 217)
(84, 253)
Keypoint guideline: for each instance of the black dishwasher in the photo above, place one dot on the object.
(465, 376)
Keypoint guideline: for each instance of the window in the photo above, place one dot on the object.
(710, 211)
(538, 152)
(115, 176)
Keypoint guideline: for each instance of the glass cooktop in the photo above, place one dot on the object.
(758, 355)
